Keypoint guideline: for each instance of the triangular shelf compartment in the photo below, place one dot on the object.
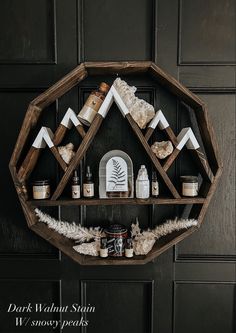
(211, 164)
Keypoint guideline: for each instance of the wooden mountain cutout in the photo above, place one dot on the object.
(44, 138)
(160, 121)
(70, 118)
(112, 97)
(186, 137)
(209, 161)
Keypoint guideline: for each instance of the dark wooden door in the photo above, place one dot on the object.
(190, 288)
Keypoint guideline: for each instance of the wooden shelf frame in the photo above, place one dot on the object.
(210, 165)
(117, 201)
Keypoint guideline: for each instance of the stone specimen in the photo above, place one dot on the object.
(90, 249)
(162, 149)
(67, 152)
(143, 246)
(141, 111)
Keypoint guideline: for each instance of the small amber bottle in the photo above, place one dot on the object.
(93, 103)
(75, 186)
(103, 248)
(129, 251)
(88, 185)
(155, 185)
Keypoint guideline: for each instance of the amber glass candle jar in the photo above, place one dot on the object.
(41, 189)
(189, 186)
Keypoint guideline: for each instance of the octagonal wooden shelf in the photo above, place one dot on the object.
(209, 163)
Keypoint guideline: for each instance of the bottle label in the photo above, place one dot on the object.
(129, 253)
(89, 110)
(88, 190)
(93, 102)
(190, 189)
(142, 189)
(75, 191)
(41, 192)
(155, 188)
(103, 253)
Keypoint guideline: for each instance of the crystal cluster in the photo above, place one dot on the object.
(162, 149)
(141, 111)
(67, 152)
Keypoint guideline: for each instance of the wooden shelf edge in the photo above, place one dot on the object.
(66, 246)
(110, 261)
(117, 201)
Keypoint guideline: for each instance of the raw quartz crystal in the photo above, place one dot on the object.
(141, 111)
(90, 249)
(162, 149)
(67, 152)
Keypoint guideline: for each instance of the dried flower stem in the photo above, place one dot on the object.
(70, 230)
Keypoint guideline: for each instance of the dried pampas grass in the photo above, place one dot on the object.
(89, 238)
(70, 230)
(143, 241)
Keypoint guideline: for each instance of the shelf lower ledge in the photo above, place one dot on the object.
(118, 201)
(66, 246)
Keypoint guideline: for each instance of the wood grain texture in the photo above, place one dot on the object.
(209, 139)
(117, 201)
(202, 164)
(200, 204)
(175, 86)
(120, 68)
(29, 163)
(170, 134)
(78, 155)
(58, 157)
(66, 246)
(59, 134)
(200, 210)
(61, 87)
(170, 160)
(81, 130)
(150, 153)
(30, 120)
(148, 133)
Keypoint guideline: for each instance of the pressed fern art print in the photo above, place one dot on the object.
(116, 172)
(116, 177)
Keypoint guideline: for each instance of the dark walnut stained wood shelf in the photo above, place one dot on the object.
(118, 201)
(209, 163)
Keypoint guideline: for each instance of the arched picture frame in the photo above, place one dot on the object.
(116, 177)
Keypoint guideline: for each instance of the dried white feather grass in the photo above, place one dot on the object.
(143, 241)
(70, 230)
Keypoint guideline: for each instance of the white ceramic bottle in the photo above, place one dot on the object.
(142, 184)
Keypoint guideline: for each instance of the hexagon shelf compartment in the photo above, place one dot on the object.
(206, 157)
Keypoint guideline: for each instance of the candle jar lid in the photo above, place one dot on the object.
(189, 179)
(129, 243)
(41, 182)
(116, 229)
(103, 243)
